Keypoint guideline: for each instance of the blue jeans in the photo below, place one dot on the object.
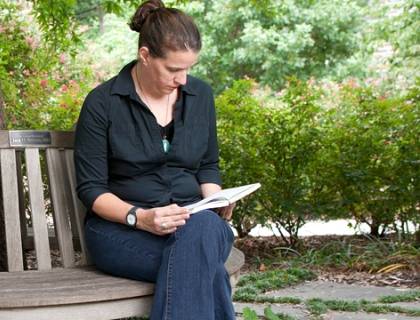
(187, 266)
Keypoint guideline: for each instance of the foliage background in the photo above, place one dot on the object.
(305, 103)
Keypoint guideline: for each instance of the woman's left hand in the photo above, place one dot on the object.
(226, 212)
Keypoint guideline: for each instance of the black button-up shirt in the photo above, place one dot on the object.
(118, 146)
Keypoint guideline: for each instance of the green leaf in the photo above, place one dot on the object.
(249, 314)
(270, 315)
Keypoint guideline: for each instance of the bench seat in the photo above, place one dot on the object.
(78, 285)
(80, 293)
(70, 292)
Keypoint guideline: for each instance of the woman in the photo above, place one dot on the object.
(146, 146)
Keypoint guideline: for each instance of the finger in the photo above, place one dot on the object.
(169, 224)
(174, 212)
(226, 213)
(229, 216)
(223, 212)
(171, 220)
(172, 230)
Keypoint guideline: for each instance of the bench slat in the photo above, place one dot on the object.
(22, 206)
(84, 285)
(37, 204)
(116, 309)
(78, 285)
(58, 190)
(79, 209)
(11, 209)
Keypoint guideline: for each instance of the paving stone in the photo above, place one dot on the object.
(296, 311)
(409, 305)
(332, 290)
(333, 315)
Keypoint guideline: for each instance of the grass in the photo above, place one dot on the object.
(362, 253)
(251, 287)
(321, 306)
(250, 314)
(343, 253)
(405, 297)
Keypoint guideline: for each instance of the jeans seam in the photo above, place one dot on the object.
(169, 284)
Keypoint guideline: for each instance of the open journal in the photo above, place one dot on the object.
(223, 198)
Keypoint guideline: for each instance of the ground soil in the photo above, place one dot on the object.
(262, 253)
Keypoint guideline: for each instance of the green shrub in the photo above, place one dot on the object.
(293, 155)
(373, 157)
(240, 124)
(280, 146)
(38, 85)
(353, 157)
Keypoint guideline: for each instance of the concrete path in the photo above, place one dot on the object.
(332, 291)
(365, 316)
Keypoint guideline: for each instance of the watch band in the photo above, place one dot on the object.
(131, 217)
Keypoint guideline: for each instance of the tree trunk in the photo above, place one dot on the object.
(101, 15)
(2, 120)
(3, 256)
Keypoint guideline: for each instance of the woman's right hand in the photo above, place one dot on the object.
(162, 220)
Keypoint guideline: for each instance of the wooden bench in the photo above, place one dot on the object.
(38, 182)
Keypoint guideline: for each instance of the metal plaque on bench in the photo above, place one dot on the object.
(34, 138)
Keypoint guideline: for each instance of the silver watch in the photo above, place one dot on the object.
(131, 217)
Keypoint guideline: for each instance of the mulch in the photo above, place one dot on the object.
(258, 250)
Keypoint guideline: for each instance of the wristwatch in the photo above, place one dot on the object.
(131, 217)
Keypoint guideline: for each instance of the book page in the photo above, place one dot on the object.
(223, 198)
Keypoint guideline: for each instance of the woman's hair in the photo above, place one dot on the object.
(164, 29)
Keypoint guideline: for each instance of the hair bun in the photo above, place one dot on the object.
(142, 12)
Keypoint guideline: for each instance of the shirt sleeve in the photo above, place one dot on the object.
(91, 150)
(209, 166)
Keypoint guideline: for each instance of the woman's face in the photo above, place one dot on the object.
(167, 74)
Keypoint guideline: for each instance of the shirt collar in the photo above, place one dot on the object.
(124, 84)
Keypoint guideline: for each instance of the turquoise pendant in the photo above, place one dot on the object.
(166, 145)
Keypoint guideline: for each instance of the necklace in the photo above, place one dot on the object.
(165, 142)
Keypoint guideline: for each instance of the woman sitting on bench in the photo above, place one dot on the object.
(146, 146)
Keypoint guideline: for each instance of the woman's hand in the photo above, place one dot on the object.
(162, 220)
(226, 212)
(207, 189)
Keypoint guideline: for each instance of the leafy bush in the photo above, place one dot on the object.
(373, 157)
(355, 157)
(293, 153)
(38, 86)
(280, 147)
(240, 124)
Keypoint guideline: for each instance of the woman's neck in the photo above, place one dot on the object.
(146, 88)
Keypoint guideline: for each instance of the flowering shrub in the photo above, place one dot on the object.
(38, 86)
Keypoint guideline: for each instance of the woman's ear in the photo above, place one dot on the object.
(144, 55)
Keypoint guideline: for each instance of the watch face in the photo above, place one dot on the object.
(131, 220)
